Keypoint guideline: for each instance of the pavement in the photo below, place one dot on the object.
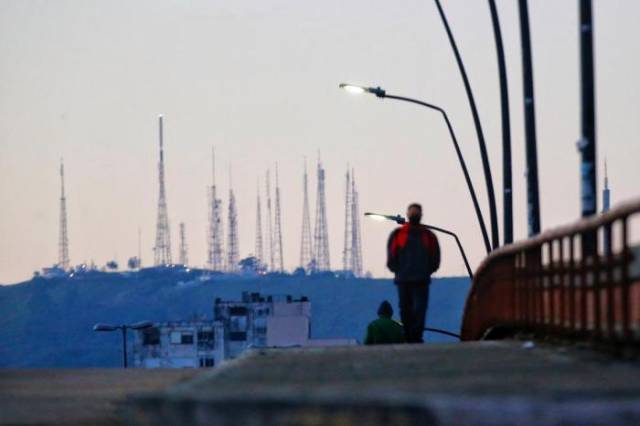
(76, 396)
(491, 383)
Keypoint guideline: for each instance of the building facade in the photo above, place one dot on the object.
(255, 321)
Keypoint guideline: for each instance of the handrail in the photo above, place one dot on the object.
(590, 297)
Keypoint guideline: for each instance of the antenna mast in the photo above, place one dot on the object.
(63, 243)
(215, 234)
(184, 257)
(162, 249)
(321, 232)
(232, 252)
(306, 246)
(269, 251)
(277, 243)
(259, 244)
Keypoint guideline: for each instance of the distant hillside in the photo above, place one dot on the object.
(47, 323)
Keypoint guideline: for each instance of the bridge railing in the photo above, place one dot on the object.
(547, 286)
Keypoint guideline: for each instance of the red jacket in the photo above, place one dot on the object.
(413, 253)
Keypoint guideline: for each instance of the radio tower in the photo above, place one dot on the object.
(232, 249)
(269, 250)
(184, 257)
(356, 236)
(305, 244)
(63, 243)
(162, 249)
(347, 253)
(277, 240)
(321, 232)
(259, 245)
(215, 236)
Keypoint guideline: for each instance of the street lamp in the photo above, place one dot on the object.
(401, 220)
(124, 327)
(381, 93)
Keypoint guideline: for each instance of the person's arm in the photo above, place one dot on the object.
(368, 340)
(392, 258)
(436, 253)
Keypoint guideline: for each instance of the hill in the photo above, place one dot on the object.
(48, 322)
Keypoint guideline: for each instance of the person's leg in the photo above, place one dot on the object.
(420, 303)
(406, 309)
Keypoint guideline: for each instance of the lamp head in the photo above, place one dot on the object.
(356, 89)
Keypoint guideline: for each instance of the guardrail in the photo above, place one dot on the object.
(544, 285)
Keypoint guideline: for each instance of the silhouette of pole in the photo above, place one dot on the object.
(495, 237)
(587, 143)
(533, 199)
(507, 187)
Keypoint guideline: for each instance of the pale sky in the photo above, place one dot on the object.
(86, 80)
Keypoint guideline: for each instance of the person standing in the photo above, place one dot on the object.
(384, 330)
(413, 254)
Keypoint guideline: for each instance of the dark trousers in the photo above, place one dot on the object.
(414, 298)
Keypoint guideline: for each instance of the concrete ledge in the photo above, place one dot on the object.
(471, 383)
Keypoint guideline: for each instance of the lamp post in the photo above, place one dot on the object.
(381, 93)
(507, 186)
(124, 327)
(478, 126)
(400, 220)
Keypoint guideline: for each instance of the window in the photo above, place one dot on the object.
(205, 336)
(151, 336)
(207, 362)
(186, 339)
(206, 339)
(237, 310)
(238, 336)
(175, 337)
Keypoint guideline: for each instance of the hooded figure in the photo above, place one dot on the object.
(384, 330)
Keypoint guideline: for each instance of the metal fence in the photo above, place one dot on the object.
(554, 285)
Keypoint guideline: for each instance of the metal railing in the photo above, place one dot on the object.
(546, 286)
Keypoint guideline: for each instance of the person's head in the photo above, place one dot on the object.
(385, 310)
(414, 213)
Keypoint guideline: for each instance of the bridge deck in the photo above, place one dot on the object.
(469, 383)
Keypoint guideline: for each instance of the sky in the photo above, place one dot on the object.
(85, 80)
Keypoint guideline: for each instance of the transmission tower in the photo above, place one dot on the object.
(305, 244)
(259, 244)
(184, 256)
(232, 249)
(356, 235)
(321, 232)
(215, 234)
(277, 238)
(269, 250)
(162, 249)
(63, 242)
(347, 252)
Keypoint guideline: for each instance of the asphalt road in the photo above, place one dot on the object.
(78, 396)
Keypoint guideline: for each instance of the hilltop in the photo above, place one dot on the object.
(48, 322)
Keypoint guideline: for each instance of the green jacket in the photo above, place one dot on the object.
(384, 330)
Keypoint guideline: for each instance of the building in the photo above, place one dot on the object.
(255, 321)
